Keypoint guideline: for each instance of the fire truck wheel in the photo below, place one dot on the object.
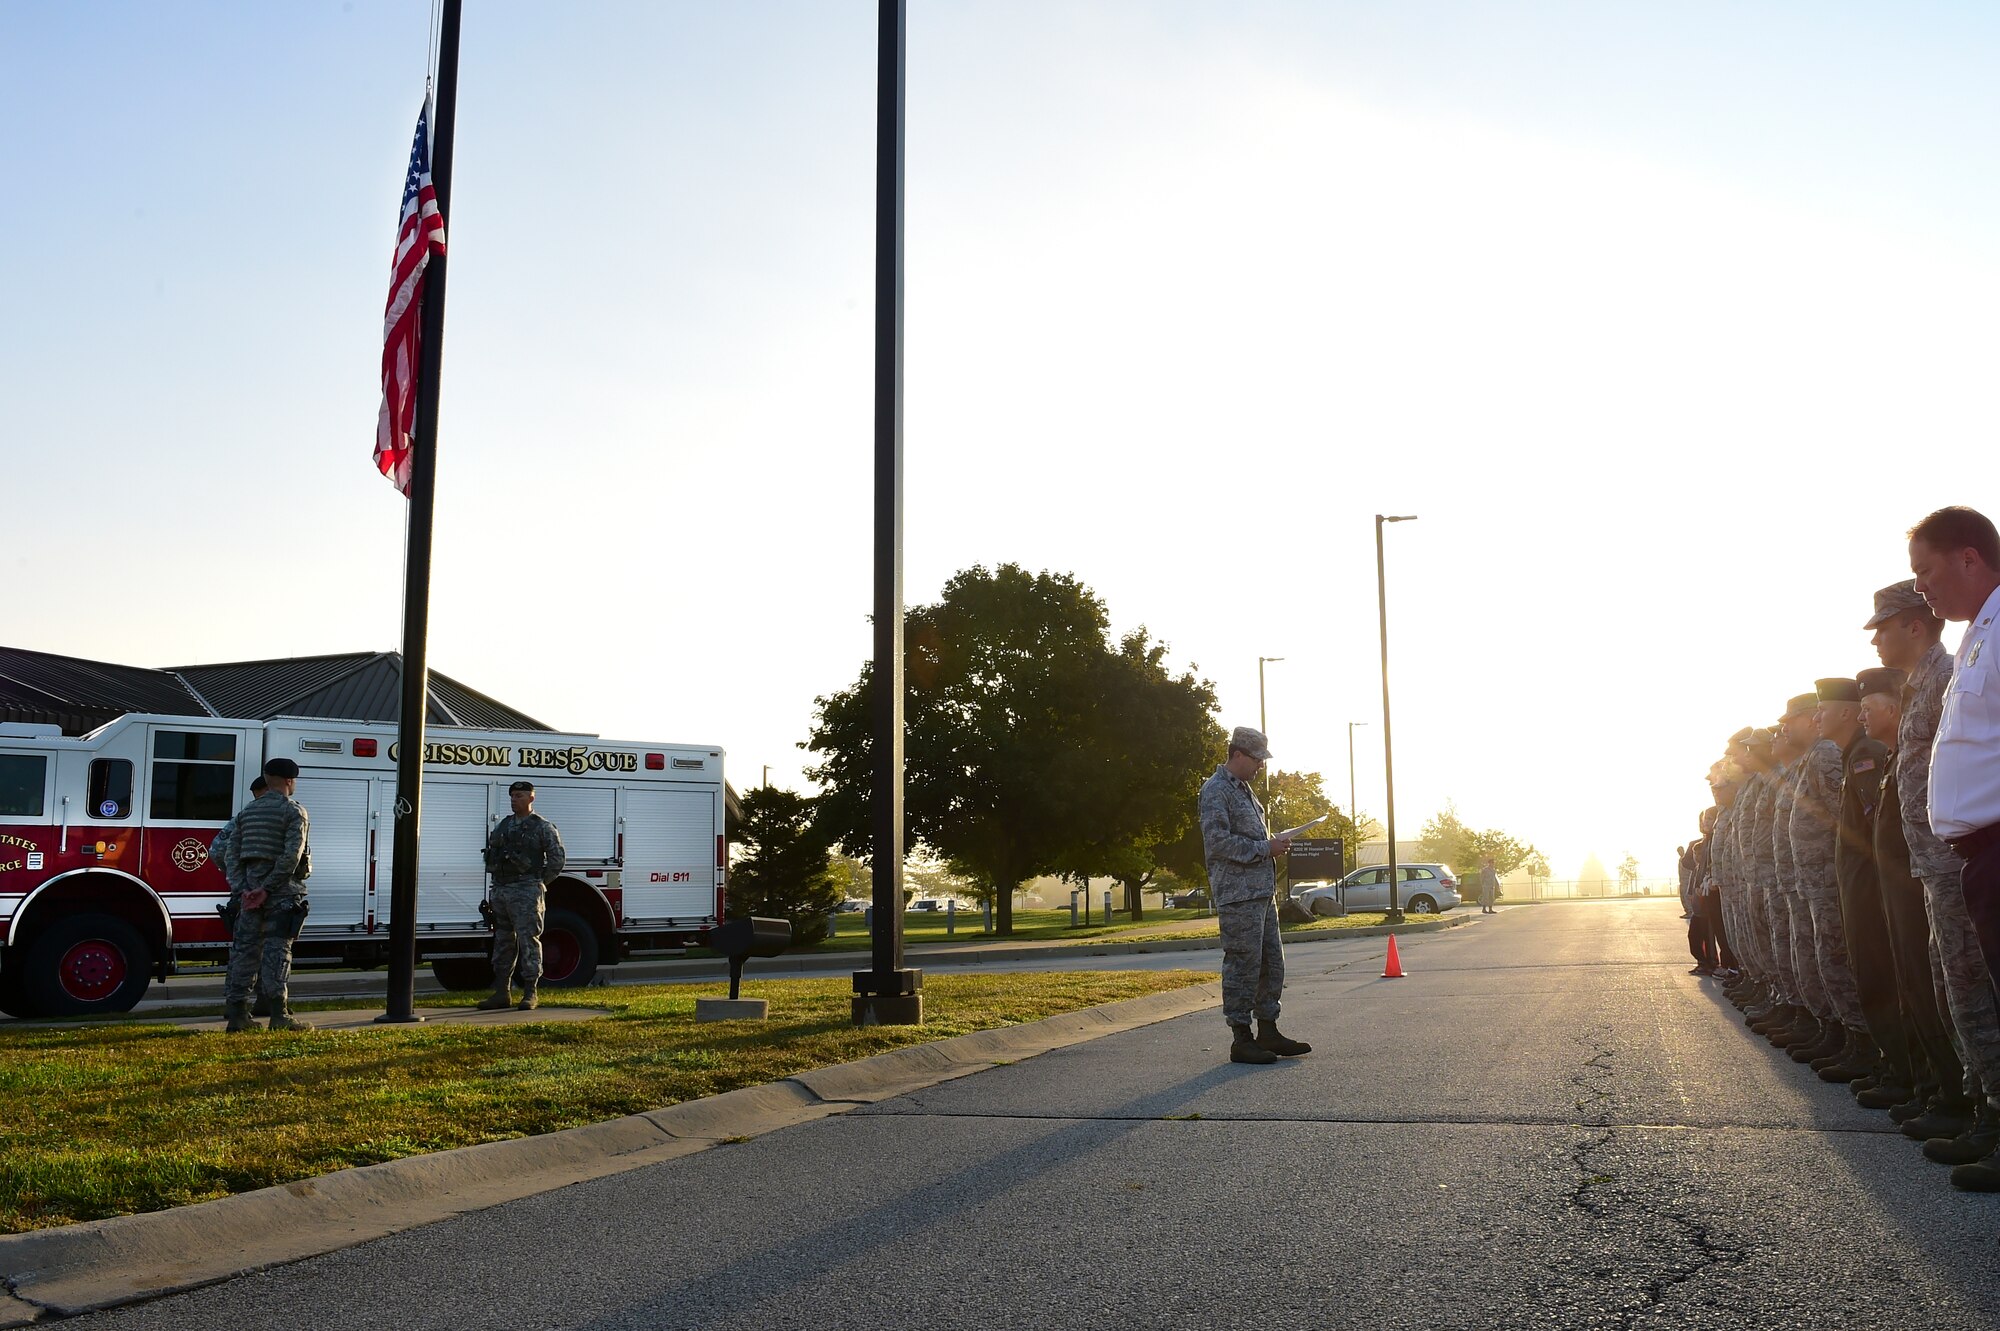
(86, 964)
(463, 973)
(569, 950)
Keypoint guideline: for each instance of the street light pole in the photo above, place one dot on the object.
(1353, 813)
(1395, 912)
(1262, 725)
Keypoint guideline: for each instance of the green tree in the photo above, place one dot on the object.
(785, 869)
(1446, 839)
(1032, 744)
(1628, 873)
(1539, 870)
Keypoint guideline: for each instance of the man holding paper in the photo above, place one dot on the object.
(1242, 882)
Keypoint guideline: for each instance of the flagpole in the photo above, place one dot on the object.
(401, 1000)
(888, 994)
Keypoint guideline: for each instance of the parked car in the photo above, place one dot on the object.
(853, 906)
(1197, 899)
(1423, 889)
(938, 904)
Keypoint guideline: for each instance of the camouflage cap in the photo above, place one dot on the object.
(1759, 739)
(1836, 690)
(281, 767)
(1251, 741)
(1741, 736)
(1893, 601)
(520, 786)
(1801, 703)
(1881, 679)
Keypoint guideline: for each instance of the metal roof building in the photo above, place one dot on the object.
(81, 695)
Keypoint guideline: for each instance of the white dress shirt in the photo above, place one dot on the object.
(1965, 761)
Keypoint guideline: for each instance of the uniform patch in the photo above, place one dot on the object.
(1865, 765)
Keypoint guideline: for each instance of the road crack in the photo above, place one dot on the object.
(1610, 1195)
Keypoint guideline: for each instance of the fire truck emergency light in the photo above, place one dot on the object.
(364, 748)
(656, 762)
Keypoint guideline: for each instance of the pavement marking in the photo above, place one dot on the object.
(102, 1264)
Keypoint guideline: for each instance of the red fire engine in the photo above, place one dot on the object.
(106, 881)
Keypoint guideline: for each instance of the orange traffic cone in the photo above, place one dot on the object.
(1393, 968)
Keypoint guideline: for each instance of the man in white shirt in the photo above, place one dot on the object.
(1955, 554)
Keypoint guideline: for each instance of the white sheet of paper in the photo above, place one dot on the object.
(1303, 826)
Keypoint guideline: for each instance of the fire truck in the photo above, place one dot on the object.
(106, 881)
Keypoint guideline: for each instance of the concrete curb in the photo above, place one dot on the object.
(105, 1263)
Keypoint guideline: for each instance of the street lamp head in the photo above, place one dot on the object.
(1270, 658)
(1407, 517)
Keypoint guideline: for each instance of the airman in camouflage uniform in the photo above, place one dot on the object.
(1242, 855)
(271, 858)
(1815, 840)
(1960, 966)
(223, 851)
(525, 854)
(1770, 922)
(1796, 915)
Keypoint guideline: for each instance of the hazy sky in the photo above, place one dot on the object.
(1667, 320)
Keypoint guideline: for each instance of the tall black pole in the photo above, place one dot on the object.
(401, 1002)
(888, 994)
(1395, 912)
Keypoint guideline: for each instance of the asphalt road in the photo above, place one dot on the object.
(1549, 1124)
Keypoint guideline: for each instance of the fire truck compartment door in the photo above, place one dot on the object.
(670, 853)
(451, 864)
(586, 816)
(337, 831)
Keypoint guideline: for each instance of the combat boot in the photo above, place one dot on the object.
(1244, 1049)
(493, 1002)
(285, 1021)
(1979, 1176)
(239, 1018)
(1857, 1058)
(1945, 1118)
(529, 1000)
(1269, 1037)
(1882, 1096)
(1918, 1103)
(1974, 1144)
(1833, 1038)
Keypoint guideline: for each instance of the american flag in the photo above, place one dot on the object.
(419, 234)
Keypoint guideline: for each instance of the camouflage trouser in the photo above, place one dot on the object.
(1829, 930)
(518, 912)
(1253, 962)
(260, 952)
(1959, 970)
(1801, 965)
(1777, 948)
(1740, 917)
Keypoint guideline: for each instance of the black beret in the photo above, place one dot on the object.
(281, 767)
(1837, 690)
(520, 786)
(1880, 679)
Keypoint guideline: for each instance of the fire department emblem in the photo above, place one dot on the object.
(190, 855)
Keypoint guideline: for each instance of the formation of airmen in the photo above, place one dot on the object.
(1832, 911)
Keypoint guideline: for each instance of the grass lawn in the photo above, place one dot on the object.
(109, 1120)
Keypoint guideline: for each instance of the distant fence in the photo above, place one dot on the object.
(1559, 889)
